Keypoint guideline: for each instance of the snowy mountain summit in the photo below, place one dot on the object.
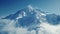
(27, 16)
(30, 15)
(29, 19)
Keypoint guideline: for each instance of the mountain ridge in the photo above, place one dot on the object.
(32, 14)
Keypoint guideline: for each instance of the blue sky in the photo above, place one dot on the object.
(11, 6)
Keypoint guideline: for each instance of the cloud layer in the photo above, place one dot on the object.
(45, 28)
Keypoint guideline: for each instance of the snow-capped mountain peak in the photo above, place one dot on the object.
(30, 7)
(28, 11)
(30, 15)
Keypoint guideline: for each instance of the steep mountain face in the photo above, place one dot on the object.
(27, 17)
(31, 16)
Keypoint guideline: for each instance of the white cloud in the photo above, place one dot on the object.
(49, 29)
(45, 28)
(11, 29)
